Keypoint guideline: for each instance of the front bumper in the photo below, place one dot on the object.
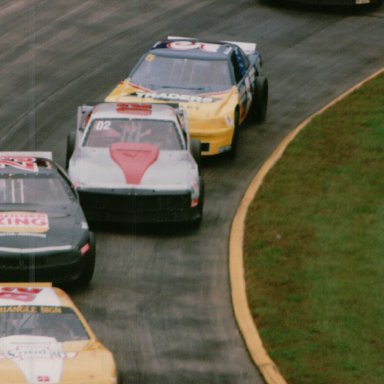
(137, 206)
(58, 267)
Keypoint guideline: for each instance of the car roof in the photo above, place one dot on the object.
(134, 111)
(33, 294)
(25, 163)
(193, 48)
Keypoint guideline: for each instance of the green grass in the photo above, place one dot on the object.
(314, 248)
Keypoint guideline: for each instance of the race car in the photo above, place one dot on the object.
(357, 3)
(45, 339)
(219, 83)
(44, 235)
(135, 163)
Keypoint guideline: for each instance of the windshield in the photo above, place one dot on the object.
(196, 76)
(37, 190)
(104, 132)
(61, 323)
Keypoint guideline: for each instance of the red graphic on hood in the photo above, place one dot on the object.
(134, 108)
(134, 159)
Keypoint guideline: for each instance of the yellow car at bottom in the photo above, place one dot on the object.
(44, 339)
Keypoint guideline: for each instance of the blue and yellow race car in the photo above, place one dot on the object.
(218, 83)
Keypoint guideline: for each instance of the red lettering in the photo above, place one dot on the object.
(19, 220)
(23, 163)
(19, 294)
(39, 222)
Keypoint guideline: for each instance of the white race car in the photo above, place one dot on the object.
(135, 163)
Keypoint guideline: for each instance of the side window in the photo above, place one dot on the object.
(240, 64)
(236, 68)
(67, 183)
(243, 59)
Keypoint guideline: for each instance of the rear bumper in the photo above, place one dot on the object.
(215, 136)
(55, 267)
(137, 206)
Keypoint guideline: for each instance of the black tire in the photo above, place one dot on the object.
(235, 138)
(89, 268)
(71, 140)
(196, 151)
(194, 224)
(260, 99)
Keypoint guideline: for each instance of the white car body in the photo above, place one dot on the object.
(125, 174)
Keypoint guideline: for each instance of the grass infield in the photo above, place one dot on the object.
(314, 247)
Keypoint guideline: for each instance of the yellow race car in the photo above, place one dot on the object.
(44, 339)
(219, 83)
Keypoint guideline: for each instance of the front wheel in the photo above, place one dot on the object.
(89, 268)
(235, 138)
(196, 151)
(71, 139)
(260, 99)
(195, 223)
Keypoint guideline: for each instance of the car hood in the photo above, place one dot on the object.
(37, 359)
(199, 105)
(41, 228)
(96, 168)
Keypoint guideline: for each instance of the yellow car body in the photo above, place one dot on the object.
(209, 122)
(216, 109)
(33, 350)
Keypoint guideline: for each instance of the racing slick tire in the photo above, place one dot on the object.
(235, 138)
(196, 151)
(260, 99)
(89, 268)
(195, 223)
(71, 140)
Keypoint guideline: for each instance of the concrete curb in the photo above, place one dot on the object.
(243, 315)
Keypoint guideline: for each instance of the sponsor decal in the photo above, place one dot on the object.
(19, 294)
(30, 309)
(26, 234)
(184, 45)
(27, 164)
(135, 109)
(16, 296)
(24, 222)
(174, 97)
(39, 358)
(150, 57)
(134, 159)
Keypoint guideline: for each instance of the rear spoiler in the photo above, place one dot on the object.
(248, 48)
(42, 154)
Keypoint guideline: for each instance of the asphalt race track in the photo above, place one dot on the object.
(160, 298)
